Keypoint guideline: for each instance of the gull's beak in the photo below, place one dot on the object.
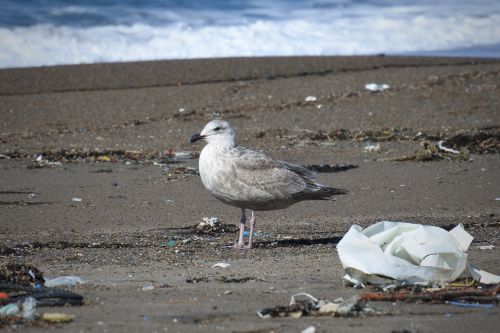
(196, 137)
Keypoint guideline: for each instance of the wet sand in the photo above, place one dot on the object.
(123, 121)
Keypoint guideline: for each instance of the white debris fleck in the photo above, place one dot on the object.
(182, 110)
(221, 265)
(369, 147)
(376, 86)
(486, 247)
(311, 99)
(310, 329)
(76, 199)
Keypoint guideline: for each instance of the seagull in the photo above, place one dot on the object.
(248, 179)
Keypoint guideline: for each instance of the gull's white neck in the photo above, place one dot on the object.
(222, 142)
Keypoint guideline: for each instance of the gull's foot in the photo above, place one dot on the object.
(239, 246)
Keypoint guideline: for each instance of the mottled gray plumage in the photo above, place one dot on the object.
(248, 179)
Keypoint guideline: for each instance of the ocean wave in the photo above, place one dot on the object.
(48, 44)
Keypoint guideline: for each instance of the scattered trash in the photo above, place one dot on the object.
(228, 292)
(148, 286)
(104, 158)
(197, 279)
(477, 294)
(327, 168)
(405, 252)
(310, 306)
(471, 305)
(170, 243)
(369, 147)
(211, 222)
(482, 276)
(246, 233)
(60, 281)
(9, 310)
(210, 225)
(486, 247)
(310, 329)
(76, 199)
(376, 87)
(57, 317)
(311, 99)
(221, 265)
(448, 150)
(28, 308)
(21, 274)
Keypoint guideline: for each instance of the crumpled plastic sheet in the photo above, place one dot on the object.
(407, 253)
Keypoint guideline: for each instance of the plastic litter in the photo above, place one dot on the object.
(310, 329)
(221, 265)
(209, 222)
(486, 247)
(311, 99)
(29, 307)
(9, 310)
(55, 317)
(304, 304)
(148, 286)
(405, 252)
(63, 281)
(369, 147)
(471, 305)
(377, 87)
(483, 276)
(76, 199)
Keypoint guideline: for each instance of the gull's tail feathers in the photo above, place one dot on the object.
(319, 193)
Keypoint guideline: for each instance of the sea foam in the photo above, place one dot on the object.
(397, 30)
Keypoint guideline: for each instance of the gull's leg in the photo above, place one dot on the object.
(243, 220)
(252, 227)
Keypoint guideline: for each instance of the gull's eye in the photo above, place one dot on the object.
(217, 129)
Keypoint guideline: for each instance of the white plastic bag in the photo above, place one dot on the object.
(405, 252)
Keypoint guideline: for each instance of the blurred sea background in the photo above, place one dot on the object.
(55, 32)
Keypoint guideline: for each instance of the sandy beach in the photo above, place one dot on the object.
(108, 133)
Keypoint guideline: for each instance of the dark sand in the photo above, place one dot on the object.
(116, 236)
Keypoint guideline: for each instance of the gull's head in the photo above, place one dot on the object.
(218, 132)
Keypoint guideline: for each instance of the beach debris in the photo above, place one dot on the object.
(431, 152)
(211, 225)
(66, 281)
(209, 222)
(409, 253)
(9, 310)
(55, 317)
(176, 172)
(471, 305)
(327, 168)
(304, 304)
(221, 265)
(197, 279)
(483, 276)
(376, 87)
(148, 286)
(370, 147)
(309, 329)
(486, 247)
(310, 99)
(399, 253)
(21, 274)
(76, 199)
(445, 294)
(448, 150)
